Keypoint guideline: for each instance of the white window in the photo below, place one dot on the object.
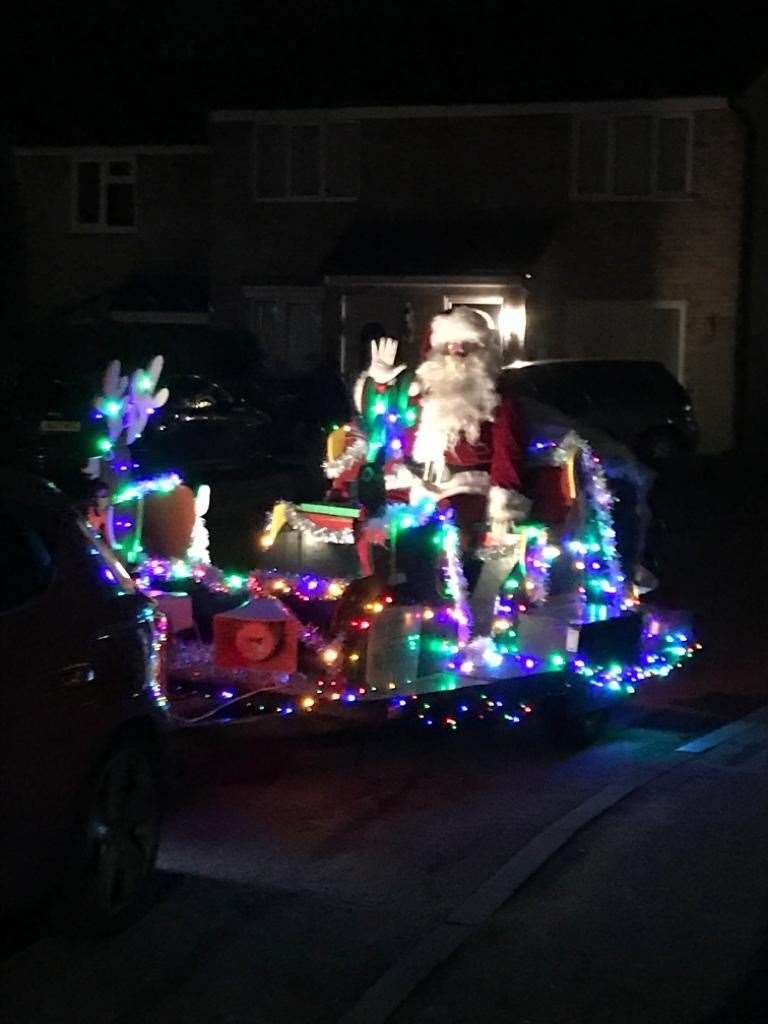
(306, 162)
(104, 193)
(287, 324)
(633, 156)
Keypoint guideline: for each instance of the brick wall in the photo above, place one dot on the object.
(65, 268)
(755, 366)
(515, 166)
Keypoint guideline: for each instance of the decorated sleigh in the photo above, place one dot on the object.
(567, 633)
(351, 611)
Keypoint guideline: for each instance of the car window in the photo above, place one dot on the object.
(26, 562)
(197, 394)
(623, 382)
(566, 387)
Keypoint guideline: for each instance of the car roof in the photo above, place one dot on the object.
(588, 361)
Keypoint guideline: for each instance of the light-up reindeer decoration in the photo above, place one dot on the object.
(125, 405)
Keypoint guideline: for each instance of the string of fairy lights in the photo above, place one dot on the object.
(466, 682)
(335, 666)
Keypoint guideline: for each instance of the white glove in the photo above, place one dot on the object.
(383, 355)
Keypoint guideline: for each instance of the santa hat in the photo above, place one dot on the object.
(461, 324)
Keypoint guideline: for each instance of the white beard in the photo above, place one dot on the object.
(458, 396)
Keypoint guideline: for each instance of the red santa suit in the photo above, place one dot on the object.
(470, 440)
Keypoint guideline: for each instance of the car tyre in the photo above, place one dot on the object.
(111, 880)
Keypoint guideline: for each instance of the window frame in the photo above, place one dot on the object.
(679, 305)
(103, 158)
(611, 119)
(284, 296)
(286, 128)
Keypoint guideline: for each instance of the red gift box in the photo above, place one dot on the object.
(260, 635)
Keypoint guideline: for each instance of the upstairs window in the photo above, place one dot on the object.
(632, 157)
(306, 161)
(104, 194)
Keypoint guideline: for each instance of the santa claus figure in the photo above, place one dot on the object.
(469, 441)
(445, 432)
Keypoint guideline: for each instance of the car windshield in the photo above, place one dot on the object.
(626, 381)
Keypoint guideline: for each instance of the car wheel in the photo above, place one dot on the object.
(112, 876)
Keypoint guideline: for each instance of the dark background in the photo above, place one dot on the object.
(131, 68)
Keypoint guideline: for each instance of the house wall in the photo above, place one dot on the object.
(683, 251)
(65, 267)
(754, 421)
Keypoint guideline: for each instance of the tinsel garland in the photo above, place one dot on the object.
(348, 459)
(159, 570)
(305, 526)
(160, 484)
(539, 556)
(306, 585)
(601, 501)
(456, 583)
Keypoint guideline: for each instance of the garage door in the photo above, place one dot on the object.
(626, 330)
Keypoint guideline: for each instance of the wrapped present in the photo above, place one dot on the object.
(260, 635)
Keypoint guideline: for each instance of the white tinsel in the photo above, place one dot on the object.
(297, 521)
(349, 458)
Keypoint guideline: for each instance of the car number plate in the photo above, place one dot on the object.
(60, 427)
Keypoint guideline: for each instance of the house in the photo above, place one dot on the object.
(752, 361)
(115, 232)
(617, 225)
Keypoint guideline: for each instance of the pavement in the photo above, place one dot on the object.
(366, 875)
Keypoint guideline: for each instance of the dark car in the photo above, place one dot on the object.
(82, 713)
(638, 402)
(303, 408)
(205, 427)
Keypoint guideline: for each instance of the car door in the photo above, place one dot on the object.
(50, 712)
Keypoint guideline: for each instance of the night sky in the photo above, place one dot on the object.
(148, 71)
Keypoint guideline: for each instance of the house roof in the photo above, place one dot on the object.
(483, 247)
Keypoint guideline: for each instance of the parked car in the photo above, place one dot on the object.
(638, 402)
(83, 716)
(207, 426)
(303, 408)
